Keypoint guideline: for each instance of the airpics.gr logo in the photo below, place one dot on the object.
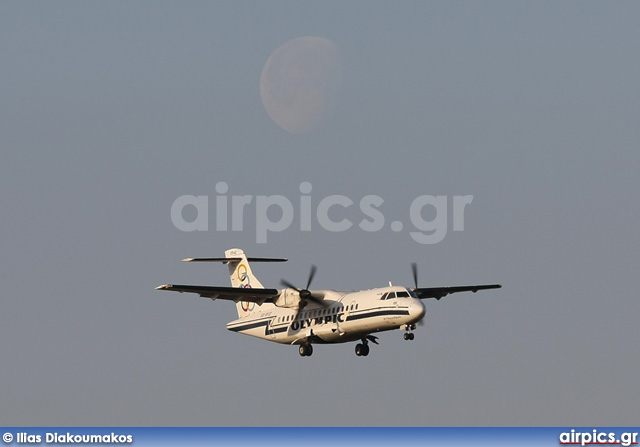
(277, 213)
(597, 437)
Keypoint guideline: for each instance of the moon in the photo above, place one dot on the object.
(301, 82)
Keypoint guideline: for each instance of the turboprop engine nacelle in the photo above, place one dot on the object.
(288, 298)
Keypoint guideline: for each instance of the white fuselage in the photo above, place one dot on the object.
(348, 316)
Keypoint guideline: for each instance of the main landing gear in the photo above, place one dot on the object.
(362, 349)
(305, 350)
(408, 335)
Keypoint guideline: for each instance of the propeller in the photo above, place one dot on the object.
(414, 270)
(305, 294)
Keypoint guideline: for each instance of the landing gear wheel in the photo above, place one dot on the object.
(305, 350)
(408, 335)
(362, 350)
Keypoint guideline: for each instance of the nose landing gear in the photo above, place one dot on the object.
(408, 335)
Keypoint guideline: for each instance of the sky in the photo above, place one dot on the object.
(111, 111)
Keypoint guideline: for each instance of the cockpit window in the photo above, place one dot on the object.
(384, 297)
(402, 294)
(391, 295)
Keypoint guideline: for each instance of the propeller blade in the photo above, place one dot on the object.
(286, 283)
(318, 298)
(312, 273)
(414, 269)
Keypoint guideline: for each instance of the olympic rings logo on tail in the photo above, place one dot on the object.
(247, 307)
(243, 276)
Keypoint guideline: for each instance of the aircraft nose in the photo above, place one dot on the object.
(417, 311)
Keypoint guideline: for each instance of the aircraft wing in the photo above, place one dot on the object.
(226, 293)
(439, 292)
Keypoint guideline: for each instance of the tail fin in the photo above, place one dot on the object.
(240, 274)
(240, 271)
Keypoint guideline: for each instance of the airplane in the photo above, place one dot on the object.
(305, 317)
